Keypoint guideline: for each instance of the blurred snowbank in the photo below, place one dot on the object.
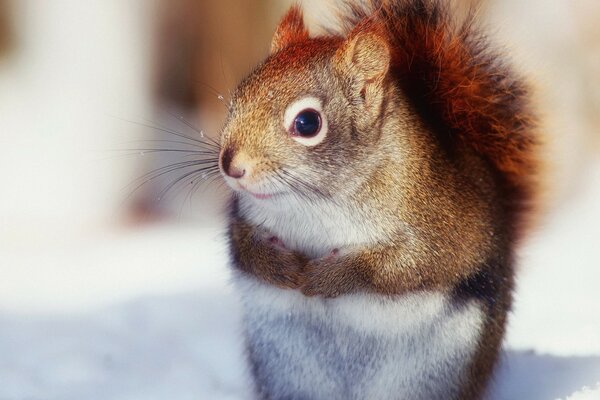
(557, 307)
(174, 347)
(108, 267)
(586, 394)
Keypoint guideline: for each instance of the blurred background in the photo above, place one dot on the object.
(112, 287)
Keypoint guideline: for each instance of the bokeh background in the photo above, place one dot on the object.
(111, 288)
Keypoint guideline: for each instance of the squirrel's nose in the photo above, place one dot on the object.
(231, 165)
(235, 172)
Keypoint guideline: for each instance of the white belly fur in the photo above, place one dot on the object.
(363, 346)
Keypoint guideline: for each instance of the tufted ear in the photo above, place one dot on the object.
(366, 56)
(291, 30)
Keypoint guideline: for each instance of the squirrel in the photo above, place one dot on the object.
(383, 177)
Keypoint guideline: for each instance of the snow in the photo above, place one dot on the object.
(586, 394)
(153, 348)
(557, 308)
(187, 346)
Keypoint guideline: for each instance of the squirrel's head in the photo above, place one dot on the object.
(321, 114)
(307, 115)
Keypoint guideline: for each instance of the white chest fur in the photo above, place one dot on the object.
(357, 346)
(313, 228)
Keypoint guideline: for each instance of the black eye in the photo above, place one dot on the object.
(307, 123)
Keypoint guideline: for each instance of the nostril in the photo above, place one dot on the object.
(232, 168)
(226, 158)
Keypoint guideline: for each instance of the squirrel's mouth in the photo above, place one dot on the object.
(256, 195)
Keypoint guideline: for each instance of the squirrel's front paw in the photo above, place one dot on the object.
(315, 283)
(288, 270)
(325, 277)
(281, 267)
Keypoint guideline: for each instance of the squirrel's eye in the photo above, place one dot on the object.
(307, 123)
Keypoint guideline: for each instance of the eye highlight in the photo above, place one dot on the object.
(305, 122)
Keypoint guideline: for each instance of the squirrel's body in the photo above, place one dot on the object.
(383, 179)
(368, 346)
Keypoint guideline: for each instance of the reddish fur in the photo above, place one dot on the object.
(294, 57)
(291, 29)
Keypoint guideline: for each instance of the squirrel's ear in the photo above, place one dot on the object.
(366, 56)
(364, 60)
(290, 30)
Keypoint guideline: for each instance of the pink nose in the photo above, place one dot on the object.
(235, 172)
(232, 169)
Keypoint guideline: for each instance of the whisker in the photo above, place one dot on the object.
(210, 87)
(170, 168)
(298, 194)
(308, 186)
(181, 119)
(197, 180)
(195, 183)
(155, 150)
(184, 176)
(199, 160)
(176, 133)
(215, 92)
(144, 151)
(162, 141)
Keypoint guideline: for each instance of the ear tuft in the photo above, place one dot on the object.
(366, 55)
(290, 30)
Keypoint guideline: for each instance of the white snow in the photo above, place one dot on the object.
(586, 394)
(558, 306)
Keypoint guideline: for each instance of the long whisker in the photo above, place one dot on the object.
(195, 184)
(215, 92)
(166, 170)
(197, 179)
(162, 141)
(211, 169)
(194, 128)
(142, 151)
(176, 133)
(200, 155)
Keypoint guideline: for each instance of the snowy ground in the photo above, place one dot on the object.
(77, 333)
(187, 347)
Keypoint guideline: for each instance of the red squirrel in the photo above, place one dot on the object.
(383, 177)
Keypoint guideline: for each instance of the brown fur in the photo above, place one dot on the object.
(249, 240)
(436, 133)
